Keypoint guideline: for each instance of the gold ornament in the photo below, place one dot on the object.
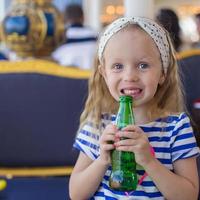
(32, 28)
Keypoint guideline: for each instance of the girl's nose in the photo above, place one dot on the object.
(131, 75)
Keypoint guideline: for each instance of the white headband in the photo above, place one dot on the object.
(153, 29)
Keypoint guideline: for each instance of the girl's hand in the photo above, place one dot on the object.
(106, 142)
(135, 141)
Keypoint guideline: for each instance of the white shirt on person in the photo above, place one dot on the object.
(80, 48)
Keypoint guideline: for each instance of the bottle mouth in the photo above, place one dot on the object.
(126, 98)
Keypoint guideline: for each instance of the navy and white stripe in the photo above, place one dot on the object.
(172, 139)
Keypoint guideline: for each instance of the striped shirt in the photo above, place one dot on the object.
(171, 137)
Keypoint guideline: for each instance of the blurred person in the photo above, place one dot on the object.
(170, 21)
(80, 46)
(197, 21)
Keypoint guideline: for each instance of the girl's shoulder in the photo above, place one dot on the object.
(169, 123)
(175, 118)
(174, 122)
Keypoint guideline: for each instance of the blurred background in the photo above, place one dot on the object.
(100, 12)
(47, 49)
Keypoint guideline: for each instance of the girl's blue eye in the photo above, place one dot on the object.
(117, 66)
(143, 66)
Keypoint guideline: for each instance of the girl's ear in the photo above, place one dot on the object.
(102, 70)
(162, 79)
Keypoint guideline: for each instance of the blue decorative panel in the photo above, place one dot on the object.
(17, 24)
(50, 24)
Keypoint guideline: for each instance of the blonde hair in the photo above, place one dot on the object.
(167, 100)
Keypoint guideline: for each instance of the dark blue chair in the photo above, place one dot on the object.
(198, 166)
(189, 65)
(40, 106)
(37, 188)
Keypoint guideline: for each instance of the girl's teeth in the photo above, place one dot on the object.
(131, 92)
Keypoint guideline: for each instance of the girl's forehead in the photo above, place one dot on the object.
(131, 30)
(131, 37)
(132, 34)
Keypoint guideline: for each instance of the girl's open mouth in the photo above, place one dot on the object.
(135, 93)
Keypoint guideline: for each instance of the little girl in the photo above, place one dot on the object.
(136, 58)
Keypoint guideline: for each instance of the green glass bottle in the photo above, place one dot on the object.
(123, 176)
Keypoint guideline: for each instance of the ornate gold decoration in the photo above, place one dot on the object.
(42, 66)
(32, 27)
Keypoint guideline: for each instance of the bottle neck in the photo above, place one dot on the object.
(125, 114)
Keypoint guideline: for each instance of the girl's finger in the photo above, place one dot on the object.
(125, 142)
(132, 128)
(125, 148)
(107, 147)
(108, 137)
(128, 134)
(110, 128)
